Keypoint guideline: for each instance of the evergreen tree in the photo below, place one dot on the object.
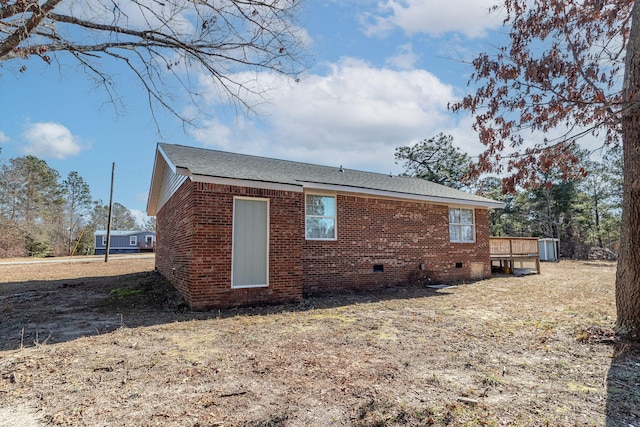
(77, 204)
(30, 201)
(436, 160)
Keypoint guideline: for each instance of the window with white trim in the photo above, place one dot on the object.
(104, 240)
(133, 240)
(461, 225)
(320, 217)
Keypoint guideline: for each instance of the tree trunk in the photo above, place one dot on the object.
(628, 272)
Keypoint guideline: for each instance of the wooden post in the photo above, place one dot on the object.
(511, 262)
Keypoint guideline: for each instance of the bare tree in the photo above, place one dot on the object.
(562, 69)
(162, 42)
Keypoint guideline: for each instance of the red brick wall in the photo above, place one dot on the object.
(400, 236)
(194, 239)
(203, 268)
(174, 234)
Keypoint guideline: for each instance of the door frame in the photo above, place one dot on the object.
(233, 242)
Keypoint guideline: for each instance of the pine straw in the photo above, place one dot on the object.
(534, 350)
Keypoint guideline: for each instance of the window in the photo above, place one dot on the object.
(320, 219)
(133, 240)
(461, 225)
(104, 240)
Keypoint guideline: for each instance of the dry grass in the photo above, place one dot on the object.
(30, 271)
(533, 350)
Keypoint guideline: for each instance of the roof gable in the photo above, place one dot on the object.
(204, 164)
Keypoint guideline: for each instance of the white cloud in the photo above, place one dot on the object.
(3, 137)
(214, 133)
(359, 104)
(139, 216)
(51, 140)
(434, 17)
(240, 137)
(405, 59)
(354, 116)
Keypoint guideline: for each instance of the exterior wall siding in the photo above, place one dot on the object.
(169, 185)
(120, 244)
(400, 236)
(194, 245)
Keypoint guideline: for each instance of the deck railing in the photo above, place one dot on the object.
(508, 250)
(146, 246)
(513, 246)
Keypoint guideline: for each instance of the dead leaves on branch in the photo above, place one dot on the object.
(561, 68)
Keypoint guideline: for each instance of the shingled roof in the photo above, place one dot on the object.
(208, 165)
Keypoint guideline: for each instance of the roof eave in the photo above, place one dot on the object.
(160, 163)
(154, 188)
(268, 185)
(488, 204)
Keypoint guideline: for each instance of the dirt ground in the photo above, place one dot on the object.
(95, 344)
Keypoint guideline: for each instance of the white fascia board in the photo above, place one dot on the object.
(166, 159)
(152, 200)
(247, 183)
(160, 162)
(402, 196)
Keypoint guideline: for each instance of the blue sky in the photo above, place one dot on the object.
(381, 76)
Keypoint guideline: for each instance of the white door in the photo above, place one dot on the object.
(249, 262)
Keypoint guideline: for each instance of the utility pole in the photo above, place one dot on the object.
(106, 254)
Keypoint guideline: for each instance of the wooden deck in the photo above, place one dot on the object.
(507, 251)
(146, 246)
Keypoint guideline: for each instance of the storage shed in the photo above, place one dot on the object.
(548, 248)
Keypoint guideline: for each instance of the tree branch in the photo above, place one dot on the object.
(166, 41)
(7, 11)
(23, 32)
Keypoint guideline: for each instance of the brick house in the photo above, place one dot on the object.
(235, 229)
